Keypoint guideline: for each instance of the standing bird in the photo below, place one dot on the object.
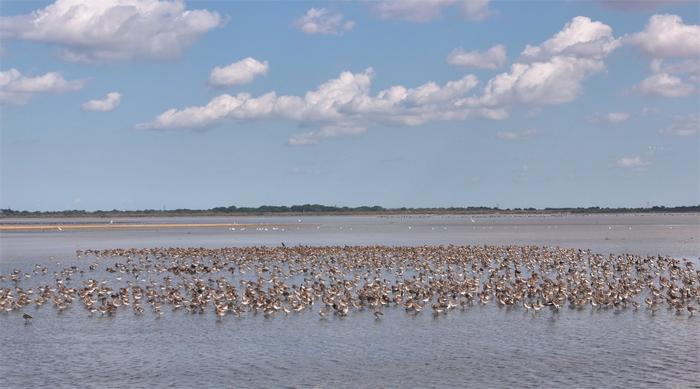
(27, 318)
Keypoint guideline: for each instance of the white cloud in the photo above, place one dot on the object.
(110, 102)
(664, 85)
(514, 136)
(580, 37)
(344, 106)
(667, 36)
(688, 125)
(113, 29)
(558, 67)
(427, 10)
(610, 118)
(241, 72)
(631, 162)
(689, 67)
(476, 9)
(323, 21)
(16, 88)
(493, 58)
(556, 81)
(617, 117)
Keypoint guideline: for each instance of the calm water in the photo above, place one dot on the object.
(480, 347)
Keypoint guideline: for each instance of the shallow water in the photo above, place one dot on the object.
(483, 346)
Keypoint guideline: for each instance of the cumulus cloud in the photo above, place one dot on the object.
(555, 81)
(16, 88)
(427, 10)
(341, 106)
(553, 72)
(515, 136)
(323, 21)
(345, 106)
(631, 162)
(688, 125)
(110, 102)
(667, 36)
(241, 72)
(493, 58)
(686, 67)
(113, 29)
(664, 85)
(580, 37)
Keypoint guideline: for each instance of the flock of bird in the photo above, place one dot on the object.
(340, 280)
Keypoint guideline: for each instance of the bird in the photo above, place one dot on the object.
(533, 277)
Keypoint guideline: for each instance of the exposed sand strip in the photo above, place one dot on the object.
(45, 227)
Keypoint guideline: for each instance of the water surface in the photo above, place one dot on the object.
(480, 347)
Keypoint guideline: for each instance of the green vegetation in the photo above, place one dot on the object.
(317, 209)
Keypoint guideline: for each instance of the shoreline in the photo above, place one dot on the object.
(27, 224)
(379, 213)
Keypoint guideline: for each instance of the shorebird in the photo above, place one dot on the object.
(348, 279)
(27, 318)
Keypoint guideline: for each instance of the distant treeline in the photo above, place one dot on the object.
(318, 209)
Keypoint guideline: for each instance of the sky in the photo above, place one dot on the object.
(145, 104)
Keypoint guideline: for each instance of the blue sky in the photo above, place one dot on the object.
(392, 103)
